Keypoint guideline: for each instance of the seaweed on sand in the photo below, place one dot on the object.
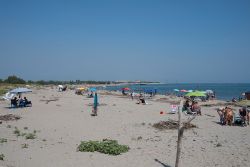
(171, 124)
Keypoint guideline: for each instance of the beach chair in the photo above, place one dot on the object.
(174, 109)
(188, 112)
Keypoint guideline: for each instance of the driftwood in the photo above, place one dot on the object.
(180, 133)
(49, 100)
(101, 104)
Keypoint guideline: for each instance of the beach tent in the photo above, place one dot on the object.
(196, 94)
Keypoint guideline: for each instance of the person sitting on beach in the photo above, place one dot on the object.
(244, 114)
(228, 115)
(220, 111)
(234, 100)
(90, 95)
(21, 102)
(196, 108)
(26, 102)
(187, 107)
(141, 100)
(14, 102)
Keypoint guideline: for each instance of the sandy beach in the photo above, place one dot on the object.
(62, 120)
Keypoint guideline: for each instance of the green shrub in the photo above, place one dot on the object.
(14, 80)
(106, 146)
(30, 136)
(8, 126)
(25, 145)
(1, 157)
(17, 131)
(2, 140)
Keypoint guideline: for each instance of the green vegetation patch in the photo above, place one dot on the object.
(25, 145)
(2, 157)
(2, 140)
(106, 146)
(17, 131)
(244, 103)
(30, 136)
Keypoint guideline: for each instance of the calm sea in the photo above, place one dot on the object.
(223, 91)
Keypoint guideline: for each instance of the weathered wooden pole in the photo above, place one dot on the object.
(179, 136)
(180, 133)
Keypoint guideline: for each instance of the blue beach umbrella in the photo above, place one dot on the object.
(176, 90)
(92, 89)
(95, 100)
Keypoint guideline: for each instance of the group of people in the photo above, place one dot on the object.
(228, 117)
(194, 108)
(20, 102)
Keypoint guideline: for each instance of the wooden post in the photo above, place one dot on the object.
(180, 133)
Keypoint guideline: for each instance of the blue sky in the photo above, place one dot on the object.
(153, 40)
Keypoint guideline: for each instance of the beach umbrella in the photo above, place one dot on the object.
(243, 103)
(196, 94)
(183, 90)
(126, 89)
(190, 90)
(209, 91)
(176, 90)
(92, 89)
(95, 100)
(82, 88)
(20, 90)
(148, 90)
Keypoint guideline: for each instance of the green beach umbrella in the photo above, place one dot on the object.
(244, 103)
(196, 94)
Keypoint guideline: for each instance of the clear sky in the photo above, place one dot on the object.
(153, 40)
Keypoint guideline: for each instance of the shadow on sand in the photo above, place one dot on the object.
(164, 165)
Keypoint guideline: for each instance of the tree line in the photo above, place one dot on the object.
(16, 80)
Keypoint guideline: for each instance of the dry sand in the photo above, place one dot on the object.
(62, 120)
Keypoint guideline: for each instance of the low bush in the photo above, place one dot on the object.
(2, 157)
(106, 146)
(30, 136)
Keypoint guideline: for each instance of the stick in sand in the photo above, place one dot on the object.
(180, 133)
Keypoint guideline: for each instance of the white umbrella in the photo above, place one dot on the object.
(20, 90)
(209, 91)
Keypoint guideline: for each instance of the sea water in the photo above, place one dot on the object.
(225, 91)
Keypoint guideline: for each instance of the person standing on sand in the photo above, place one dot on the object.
(94, 110)
(132, 95)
